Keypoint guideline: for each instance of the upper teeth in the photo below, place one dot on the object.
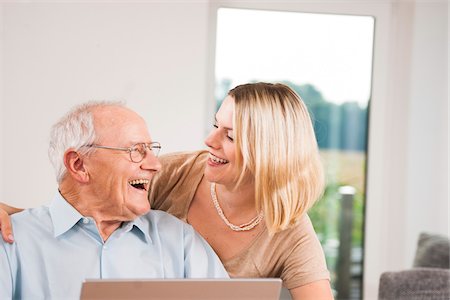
(217, 159)
(139, 181)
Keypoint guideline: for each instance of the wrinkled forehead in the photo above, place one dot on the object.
(119, 125)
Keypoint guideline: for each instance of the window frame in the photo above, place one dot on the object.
(387, 129)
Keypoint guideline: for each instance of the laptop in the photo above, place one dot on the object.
(182, 289)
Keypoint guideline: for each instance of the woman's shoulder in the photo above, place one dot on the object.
(294, 254)
(179, 164)
(296, 234)
(173, 187)
(183, 155)
(302, 226)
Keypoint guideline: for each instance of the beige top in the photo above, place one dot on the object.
(294, 255)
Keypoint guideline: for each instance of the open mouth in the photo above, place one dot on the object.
(217, 160)
(140, 184)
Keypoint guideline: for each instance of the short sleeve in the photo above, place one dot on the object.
(305, 260)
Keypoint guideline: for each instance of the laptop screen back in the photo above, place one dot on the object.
(183, 289)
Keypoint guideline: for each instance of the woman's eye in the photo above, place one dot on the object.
(230, 135)
(215, 125)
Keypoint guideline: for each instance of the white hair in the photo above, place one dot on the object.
(74, 130)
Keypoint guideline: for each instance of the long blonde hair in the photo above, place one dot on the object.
(275, 143)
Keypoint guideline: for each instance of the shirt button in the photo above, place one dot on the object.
(85, 220)
(105, 247)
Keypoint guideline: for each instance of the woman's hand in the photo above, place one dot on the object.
(5, 222)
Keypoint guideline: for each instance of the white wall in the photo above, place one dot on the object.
(56, 55)
(408, 177)
(2, 103)
(427, 170)
(158, 56)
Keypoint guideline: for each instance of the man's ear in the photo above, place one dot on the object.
(75, 166)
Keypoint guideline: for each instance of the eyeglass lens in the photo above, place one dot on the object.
(138, 151)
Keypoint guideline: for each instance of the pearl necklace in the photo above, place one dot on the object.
(243, 227)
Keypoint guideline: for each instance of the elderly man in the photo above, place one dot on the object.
(99, 224)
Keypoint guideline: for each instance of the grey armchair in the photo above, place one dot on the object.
(429, 279)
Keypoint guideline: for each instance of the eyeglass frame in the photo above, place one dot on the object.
(146, 146)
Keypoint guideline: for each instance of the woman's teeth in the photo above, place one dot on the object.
(217, 160)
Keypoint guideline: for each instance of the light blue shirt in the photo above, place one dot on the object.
(56, 249)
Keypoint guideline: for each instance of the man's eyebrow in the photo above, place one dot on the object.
(226, 128)
(134, 142)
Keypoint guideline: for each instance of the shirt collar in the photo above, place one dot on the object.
(142, 226)
(64, 216)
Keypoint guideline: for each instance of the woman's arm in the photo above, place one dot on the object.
(318, 290)
(5, 221)
(305, 271)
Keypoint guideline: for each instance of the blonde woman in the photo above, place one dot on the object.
(249, 193)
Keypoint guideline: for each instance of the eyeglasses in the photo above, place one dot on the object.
(137, 151)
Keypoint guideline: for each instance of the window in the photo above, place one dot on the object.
(327, 59)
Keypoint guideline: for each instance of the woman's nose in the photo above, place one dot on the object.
(212, 140)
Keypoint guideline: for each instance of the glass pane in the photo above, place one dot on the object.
(327, 59)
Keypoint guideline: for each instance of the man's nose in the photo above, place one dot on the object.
(151, 162)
